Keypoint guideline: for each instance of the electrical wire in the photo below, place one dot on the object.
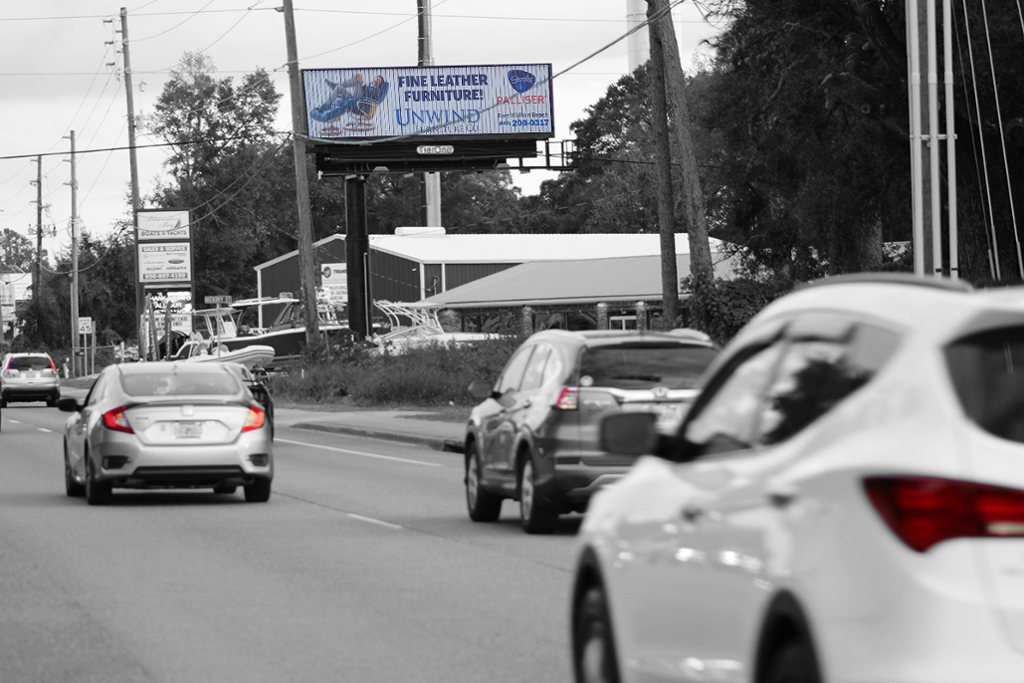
(191, 15)
(1002, 139)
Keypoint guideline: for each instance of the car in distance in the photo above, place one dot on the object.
(844, 501)
(167, 425)
(534, 438)
(29, 377)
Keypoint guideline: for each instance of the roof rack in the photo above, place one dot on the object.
(892, 279)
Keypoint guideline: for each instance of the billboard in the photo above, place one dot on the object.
(163, 225)
(165, 263)
(438, 101)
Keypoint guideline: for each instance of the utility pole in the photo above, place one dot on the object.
(307, 261)
(74, 262)
(134, 166)
(431, 182)
(663, 164)
(691, 196)
(37, 283)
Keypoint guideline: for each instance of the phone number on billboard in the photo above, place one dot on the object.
(525, 122)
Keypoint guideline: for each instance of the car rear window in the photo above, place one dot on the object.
(984, 367)
(644, 367)
(179, 384)
(23, 363)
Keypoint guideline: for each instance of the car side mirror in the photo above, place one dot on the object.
(68, 405)
(481, 389)
(632, 434)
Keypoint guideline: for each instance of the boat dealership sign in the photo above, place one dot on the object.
(164, 225)
(165, 263)
(443, 101)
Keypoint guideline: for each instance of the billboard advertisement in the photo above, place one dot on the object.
(163, 225)
(165, 263)
(438, 101)
(335, 283)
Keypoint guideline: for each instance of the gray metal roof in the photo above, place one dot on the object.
(539, 283)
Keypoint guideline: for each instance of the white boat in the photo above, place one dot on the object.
(425, 328)
(252, 356)
(286, 335)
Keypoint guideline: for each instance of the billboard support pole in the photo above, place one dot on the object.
(431, 181)
(357, 245)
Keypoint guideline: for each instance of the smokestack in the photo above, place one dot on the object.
(638, 44)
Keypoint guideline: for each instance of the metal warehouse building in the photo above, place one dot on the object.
(417, 263)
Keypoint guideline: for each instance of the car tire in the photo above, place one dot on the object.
(535, 518)
(793, 663)
(71, 487)
(3, 402)
(96, 492)
(51, 401)
(258, 491)
(483, 506)
(593, 646)
(225, 489)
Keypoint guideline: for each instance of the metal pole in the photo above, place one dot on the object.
(933, 140)
(917, 188)
(133, 165)
(947, 59)
(431, 181)
(307, 260)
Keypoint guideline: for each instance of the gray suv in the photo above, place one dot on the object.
(29, 377)
(534, 437)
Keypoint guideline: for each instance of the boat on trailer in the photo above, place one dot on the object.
(236, 327)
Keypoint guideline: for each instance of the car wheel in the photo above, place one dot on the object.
(3, 402)
(258, 491)
(483, 506)
(535, 519)
(225, 489)
(794, 663)
(593, 646)
(71, 487)
(51, 401)
(96, 492)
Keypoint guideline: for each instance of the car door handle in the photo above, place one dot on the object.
(691, 512)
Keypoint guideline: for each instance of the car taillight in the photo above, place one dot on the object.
(568, 398)
(254, 420)
(115, 419)
(923, 511)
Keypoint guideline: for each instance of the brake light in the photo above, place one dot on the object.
(254, 420)
(116, 419)
(568, 398)
(924, 511)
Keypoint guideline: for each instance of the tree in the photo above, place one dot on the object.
(16, 250)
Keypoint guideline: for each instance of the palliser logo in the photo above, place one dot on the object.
(521, 81)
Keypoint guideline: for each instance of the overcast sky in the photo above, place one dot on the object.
(60, 70)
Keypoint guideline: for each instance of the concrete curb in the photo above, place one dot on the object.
(435, 442)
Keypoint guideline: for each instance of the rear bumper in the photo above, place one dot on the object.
(569, 487)
(30, 392)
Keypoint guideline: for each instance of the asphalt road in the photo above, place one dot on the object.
(362, 568)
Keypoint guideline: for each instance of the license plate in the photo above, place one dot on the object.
(188, 430)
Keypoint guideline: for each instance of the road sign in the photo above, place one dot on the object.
(85, 325)
(217, 299)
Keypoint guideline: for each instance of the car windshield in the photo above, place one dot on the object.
(179, 383)
(984, 368)
(644, 367)
(23, 363)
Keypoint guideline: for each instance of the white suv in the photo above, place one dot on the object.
(29, 377)
(843, 502)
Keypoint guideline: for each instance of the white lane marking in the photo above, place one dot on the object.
(363, 454)
(44, 429)
(371, 520)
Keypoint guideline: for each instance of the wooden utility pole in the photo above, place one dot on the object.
(691, 197)
(133, 165)
(75, 364)
(307, 260)
(663, 167)
(37, 283)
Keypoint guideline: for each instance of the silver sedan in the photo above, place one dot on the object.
(167, 425)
